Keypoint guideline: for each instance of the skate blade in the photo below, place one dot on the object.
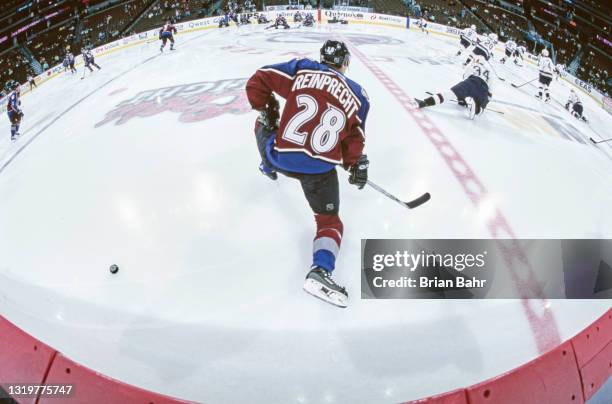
(315, 289)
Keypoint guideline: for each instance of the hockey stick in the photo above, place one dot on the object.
(410, 204)
(488, 109)
(496, 75)
(525, 83)
(600, 141)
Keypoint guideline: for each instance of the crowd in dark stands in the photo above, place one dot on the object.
(87, 25)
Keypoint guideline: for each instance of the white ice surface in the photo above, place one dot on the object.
(208, 304)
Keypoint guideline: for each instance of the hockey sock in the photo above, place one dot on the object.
(13, 130)
(434, 100)
(326, 244)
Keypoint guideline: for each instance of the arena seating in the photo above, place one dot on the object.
(14, 66)
(393, 7)
(449, 12)
(48, 42)
(506, 24)
(174, 10)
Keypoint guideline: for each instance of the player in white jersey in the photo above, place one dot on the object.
(31, 81)
(574, 106)
(509, 51)
(474, 92)
(560, 70)
(467, 38)
(484, 48)
(422, 24)
(547, 70)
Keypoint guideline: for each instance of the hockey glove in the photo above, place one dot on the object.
(269, 117)
(359, 172)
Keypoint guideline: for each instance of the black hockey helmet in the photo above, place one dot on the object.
(335, 53)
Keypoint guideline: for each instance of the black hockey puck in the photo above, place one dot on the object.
(114, 269)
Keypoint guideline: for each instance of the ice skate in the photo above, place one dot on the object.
(471, 106)
(268, 172)
(320, 284)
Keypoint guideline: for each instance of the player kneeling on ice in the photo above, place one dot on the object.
(574, 106)
(13, 107)
(262, 19)
(474, 92)
(322, 125)
(166, 34)
(308, 20)
(244, 19)
(280, 22)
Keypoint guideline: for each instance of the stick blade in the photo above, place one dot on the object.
(593, 140)
(418, 201)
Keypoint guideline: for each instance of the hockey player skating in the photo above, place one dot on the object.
(574, 106)
(422, 24)
(467, 38)
(518, 54)
(322, 125)
(546, 68)
(559, 70)
(89, 60)
(298, 17)
(483, 48)
(31, 81)
(69, 60)
(166, 33)
(308, 20)
(474, 92)
(224, 21)
(13, 107)
(509, 51)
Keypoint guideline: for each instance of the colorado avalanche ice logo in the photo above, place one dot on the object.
(193, 102)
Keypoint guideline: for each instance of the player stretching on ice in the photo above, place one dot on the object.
(13, 109)
(467, 38)
(89, 60)
(322, 125)
(280, 22)
(474, 92)
(165, 34)
(574, 106)
(308, 20)
(546, 68)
